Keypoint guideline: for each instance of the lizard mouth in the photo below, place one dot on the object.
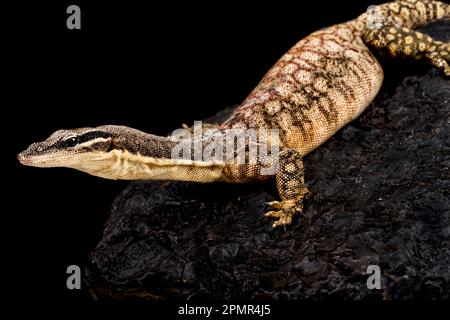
(35, 161)
(23, 159)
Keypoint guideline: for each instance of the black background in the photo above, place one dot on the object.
(151, 67)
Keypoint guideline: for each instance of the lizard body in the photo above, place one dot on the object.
(325, 81)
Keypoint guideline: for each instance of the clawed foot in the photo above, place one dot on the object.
(283, 211)
(447, 70)
(443, 65)
(440, 61)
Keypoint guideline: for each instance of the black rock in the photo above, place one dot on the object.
(380, 196)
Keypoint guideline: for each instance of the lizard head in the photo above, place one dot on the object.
(74, 148)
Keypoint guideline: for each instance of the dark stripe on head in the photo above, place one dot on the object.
(92, 135)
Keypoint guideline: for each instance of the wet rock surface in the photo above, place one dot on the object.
(380, 195)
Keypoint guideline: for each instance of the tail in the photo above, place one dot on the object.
(417, 13)
(410, 14)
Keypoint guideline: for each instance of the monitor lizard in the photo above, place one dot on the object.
(322, 83)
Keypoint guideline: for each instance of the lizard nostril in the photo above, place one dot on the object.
(40, 149)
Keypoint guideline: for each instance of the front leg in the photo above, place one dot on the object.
(291, 188)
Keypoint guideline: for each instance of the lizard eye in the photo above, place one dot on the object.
(71, 142)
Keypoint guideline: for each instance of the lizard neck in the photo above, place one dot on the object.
(136, 155)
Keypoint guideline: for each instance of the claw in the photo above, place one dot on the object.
(283, 221)
(274, 214)
(283, 217)
(283, 211)
(276, 224)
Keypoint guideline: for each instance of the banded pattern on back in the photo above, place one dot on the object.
(318, 86)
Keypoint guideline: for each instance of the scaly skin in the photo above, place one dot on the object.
(325, 81)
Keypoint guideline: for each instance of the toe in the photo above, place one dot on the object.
(283, 221)
(273, 214)
(274, 204)
(277, 224)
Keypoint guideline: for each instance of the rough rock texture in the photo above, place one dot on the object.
(380, 196)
